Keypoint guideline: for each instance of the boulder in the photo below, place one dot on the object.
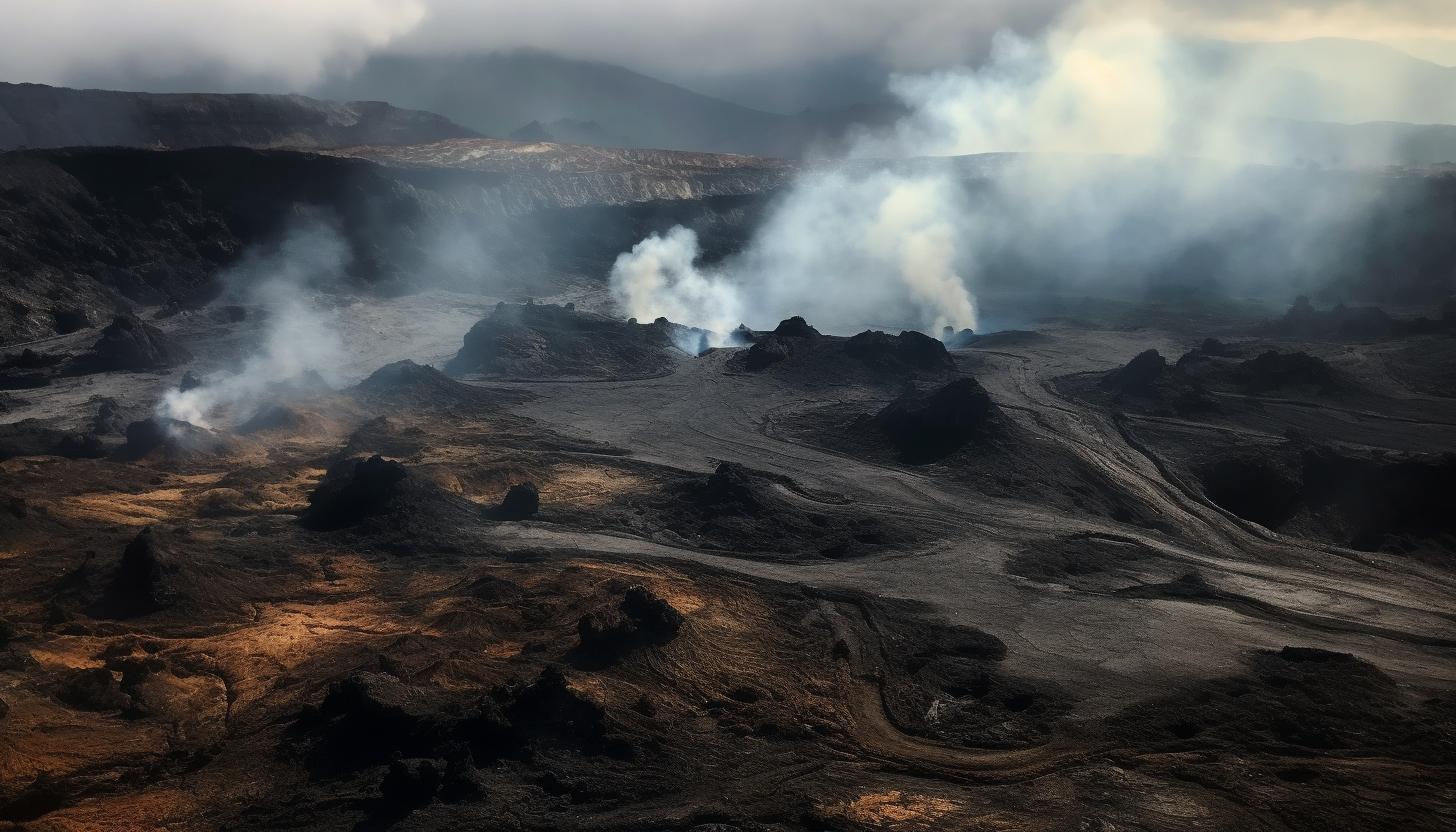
(129, 343)
(928, 425)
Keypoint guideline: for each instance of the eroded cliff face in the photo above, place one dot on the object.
(38, 116)
(88, 233)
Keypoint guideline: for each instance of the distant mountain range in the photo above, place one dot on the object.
(499, 94)
(1325, 102)
(38, 116)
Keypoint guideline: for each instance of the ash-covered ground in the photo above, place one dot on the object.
(1046, 579)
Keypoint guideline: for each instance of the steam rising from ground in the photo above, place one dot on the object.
(1133, 177)
(299, 340)
(846, 247)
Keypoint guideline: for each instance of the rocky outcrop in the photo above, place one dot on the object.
(928, 425)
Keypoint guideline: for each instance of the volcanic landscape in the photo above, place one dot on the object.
(1159, 563)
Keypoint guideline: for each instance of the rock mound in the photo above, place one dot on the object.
(275, 417)
(541, 341)
(521, 502)
(1351, 323)
(929, 425)
(795, 327)
(745, 510)
(640, 620)
(144, 582)
(32, 437)
(767, 351)
(377, 495)
(129, 343)
(353, 491)
(406, 378)
(1275, 371)
(162, 436)
(909, 349)
(1168, 388)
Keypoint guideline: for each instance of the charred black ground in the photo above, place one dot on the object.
(1162, 565)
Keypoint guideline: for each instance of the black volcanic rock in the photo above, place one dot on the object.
(909, 349)
(521, 502)
(767, 351)
(640, 620)
(1340, 496)
(926, 426)
(378, 496)
(407, 377)
(1169, 389)
(33, 437)
(1275, 371)
(270, 418)
(795, 327)
(1140, 373)
(129, 343)
(353, 491)
(143, 582)
(546, 341)
(93, 689)
(172, 436)
(1352, 323)
(729, 491)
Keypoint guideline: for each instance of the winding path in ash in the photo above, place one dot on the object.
(1110, 650)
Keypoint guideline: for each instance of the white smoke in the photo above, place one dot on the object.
(300, 337)
(660, 278)
(1132, 173)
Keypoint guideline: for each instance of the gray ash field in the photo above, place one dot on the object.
(516, 561)
(1042, 581)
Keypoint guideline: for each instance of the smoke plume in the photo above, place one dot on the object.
(1131, 171)
(299, 339)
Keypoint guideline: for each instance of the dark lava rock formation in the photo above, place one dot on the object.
(1352, 323)
(353, 491)
(521, 502)
(778, 345)
(545, 341)
(143, 582)
(129, 343)
(908, 349)
(169, 437)
(1365, 502)
(33, 437)
(1275, 371)
(412, 386)
(929, 425)
(1166, 389)
(640, 620)
(795, 327)
(381, 496)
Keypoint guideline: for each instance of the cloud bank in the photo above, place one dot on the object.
(290, 45)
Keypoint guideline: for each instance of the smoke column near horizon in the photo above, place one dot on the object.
(1134, 175)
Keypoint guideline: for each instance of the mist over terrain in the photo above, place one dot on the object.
(794, 416)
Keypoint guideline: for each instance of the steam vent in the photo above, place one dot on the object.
(492, 436)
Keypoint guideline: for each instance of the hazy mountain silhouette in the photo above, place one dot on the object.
(35, 115)
(499, 94)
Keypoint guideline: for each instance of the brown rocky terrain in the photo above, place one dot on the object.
(874, 584)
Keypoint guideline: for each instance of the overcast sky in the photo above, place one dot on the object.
(291, 43)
